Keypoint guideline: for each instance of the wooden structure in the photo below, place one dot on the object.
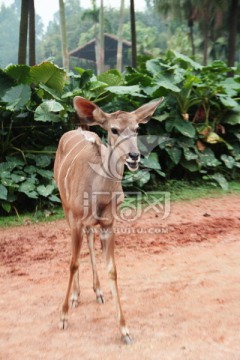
(86, 53)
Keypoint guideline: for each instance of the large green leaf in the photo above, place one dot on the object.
(138, 78)
(41, 160)
(151, 162)
(13, 161)
(6, 82)
(229, 161)
(219, 178)
(169, 125)
(153, 66)
(233, 118)
(44, 111)
(28, 188)
(86, 78)
(175, 154)
(45, 190)
(227, 101)
(17, 97)
(184, 127)
(152, 91)
(208, 159)
(6, 206)
(162, 117)
(52, 92)
(49, 74)
(230, 86)
(189, 154)
(111, 78)
(20, 73)
(3, 192)
(186, 59)
(54, 198)
(192, 165)
(17, 178)
(168, 84)
(47, 174)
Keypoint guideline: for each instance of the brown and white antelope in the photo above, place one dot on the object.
(88, 175)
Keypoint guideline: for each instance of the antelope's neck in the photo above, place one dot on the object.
(113, 164)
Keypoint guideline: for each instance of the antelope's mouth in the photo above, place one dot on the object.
(132, 165)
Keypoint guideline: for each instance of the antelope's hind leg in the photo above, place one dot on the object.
(96, 282)
(76, 234)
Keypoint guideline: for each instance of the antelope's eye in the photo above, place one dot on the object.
(114, 131)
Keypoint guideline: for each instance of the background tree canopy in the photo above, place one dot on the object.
(201, 29)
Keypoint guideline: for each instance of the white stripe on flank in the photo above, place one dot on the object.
(65, 179)
(60, 169)
(71, 137)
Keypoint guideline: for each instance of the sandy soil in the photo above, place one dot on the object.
(180, 289)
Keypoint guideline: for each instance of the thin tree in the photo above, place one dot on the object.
(63, 29)
(120, 38)
(101, 39)
(23, 31)
(32, 37)
(233, 22)
(191, 26)
(133, 34)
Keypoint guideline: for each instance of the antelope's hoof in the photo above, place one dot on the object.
(99, 297)
(63, 324)
(127, 339)
(74, 301)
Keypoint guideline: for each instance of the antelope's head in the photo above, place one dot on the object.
(122, 127)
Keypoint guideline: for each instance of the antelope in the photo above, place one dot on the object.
(85, 166)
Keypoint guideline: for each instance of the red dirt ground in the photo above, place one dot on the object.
(180, 290)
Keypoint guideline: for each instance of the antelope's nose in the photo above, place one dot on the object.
(134, 156)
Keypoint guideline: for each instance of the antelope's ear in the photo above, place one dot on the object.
(145, 112)
(89, 113)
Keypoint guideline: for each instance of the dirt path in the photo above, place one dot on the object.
(180, 289)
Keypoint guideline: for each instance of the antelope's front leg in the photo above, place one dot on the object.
(76, 234)
(107, 238)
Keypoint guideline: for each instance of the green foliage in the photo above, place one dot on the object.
(31, 98)
(194, 134)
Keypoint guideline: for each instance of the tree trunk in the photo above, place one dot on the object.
(233, 20)
(101, 38)
(133, 34)
(22, 46)
(97, 50)
(191, 36)
(65, 56)
(205, 42)
(120, 38)
(32, 48)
